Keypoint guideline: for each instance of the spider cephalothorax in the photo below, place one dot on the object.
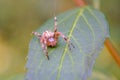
(49, 38)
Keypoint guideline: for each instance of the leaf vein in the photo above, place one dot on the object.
(77, 44)
(90, 27)
(65, 50)
(92, 13)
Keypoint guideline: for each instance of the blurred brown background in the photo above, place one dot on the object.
(18, 18)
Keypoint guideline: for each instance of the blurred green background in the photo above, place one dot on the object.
(18, 18)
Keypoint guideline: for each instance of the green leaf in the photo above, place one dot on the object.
(87, 29)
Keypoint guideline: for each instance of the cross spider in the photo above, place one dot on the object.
(49, 38)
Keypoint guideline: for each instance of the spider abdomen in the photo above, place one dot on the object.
(50, 38)
(51, 42)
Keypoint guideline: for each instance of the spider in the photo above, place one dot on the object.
(49, 38)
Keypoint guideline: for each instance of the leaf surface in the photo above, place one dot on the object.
(87, 29)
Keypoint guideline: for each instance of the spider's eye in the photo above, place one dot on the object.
(51, 39)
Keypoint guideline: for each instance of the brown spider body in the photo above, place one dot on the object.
(49, 38)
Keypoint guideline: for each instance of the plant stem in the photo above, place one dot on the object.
(112, 51)
(80, 3)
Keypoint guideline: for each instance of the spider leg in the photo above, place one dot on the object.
(67, 40)
(44, 47)
(55, 24)
(43, 42)
(37, 34)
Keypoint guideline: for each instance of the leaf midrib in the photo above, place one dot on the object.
(69, 36)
